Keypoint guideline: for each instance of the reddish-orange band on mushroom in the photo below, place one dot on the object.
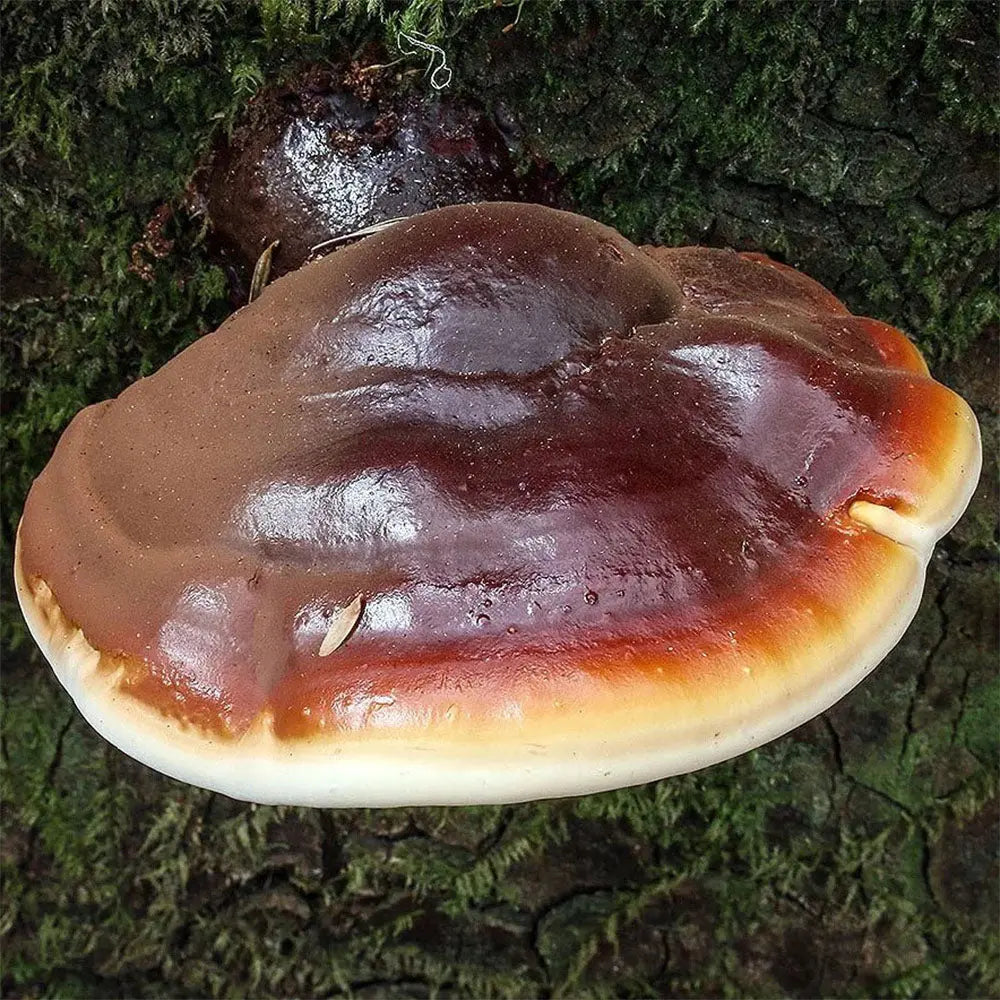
(566, 490)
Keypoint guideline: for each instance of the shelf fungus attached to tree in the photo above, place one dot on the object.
(493, 505)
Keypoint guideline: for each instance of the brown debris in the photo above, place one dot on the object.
(152, 245)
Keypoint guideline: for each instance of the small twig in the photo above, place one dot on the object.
(376, 227)
(440, 74)
(377, 66)
(513, 24)
(261, 271)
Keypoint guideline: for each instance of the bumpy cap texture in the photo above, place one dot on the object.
(490, 506)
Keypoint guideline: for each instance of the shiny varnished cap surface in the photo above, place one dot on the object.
(318, 159)
(537, 453)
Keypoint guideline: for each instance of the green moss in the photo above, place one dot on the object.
(977, 727)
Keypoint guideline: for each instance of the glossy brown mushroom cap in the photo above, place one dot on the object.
(489, 506)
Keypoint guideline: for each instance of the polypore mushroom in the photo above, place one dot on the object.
(320, 158)
(493, 505)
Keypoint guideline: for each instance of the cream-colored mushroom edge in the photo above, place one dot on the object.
(629, 738)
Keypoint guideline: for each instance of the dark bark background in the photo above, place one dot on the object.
(857, 856)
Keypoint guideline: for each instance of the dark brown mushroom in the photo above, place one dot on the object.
(490, 506)
(320, 159)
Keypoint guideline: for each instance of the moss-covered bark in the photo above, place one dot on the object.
(857, 856)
